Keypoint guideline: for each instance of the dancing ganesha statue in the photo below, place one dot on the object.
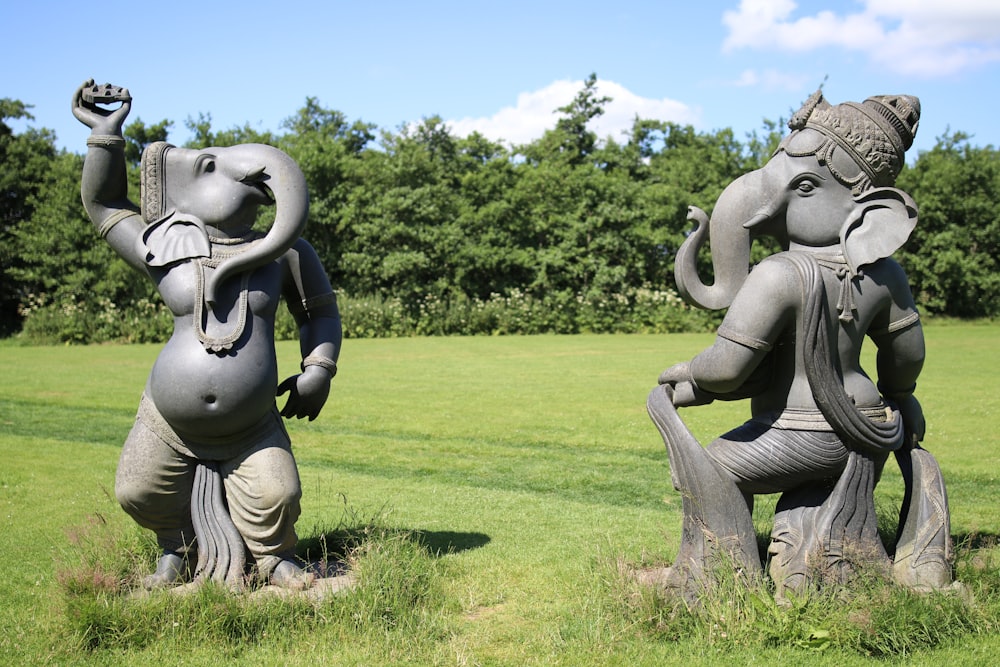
(208, 465)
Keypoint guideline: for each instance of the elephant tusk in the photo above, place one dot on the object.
(756, 220)
(257, 177)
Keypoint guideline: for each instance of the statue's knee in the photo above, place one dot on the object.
(275, 495)
(130, 495)
(141, 499)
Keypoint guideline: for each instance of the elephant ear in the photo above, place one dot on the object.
(877, 227)
(174, 239)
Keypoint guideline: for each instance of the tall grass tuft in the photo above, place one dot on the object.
(397, 595)
(869, 617)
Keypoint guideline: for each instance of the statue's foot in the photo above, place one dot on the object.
(171, 569)
(931, 575)
(672, 583)
(287, 574)
(660, 578)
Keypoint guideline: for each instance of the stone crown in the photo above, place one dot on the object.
(875, 133)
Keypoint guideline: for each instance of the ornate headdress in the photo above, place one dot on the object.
(151, 180)
(874, 135)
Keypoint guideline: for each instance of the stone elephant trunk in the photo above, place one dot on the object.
(284, 181)
(741, 209)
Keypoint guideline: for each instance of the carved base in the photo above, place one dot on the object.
(824, 533)
(827, 533)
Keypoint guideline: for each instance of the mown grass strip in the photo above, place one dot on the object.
(501, 482)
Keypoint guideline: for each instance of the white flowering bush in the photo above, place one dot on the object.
(80, 319)
(77, 320)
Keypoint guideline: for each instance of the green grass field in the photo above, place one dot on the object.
(519, 470)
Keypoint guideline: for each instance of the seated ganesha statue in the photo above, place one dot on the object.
(208, 465)
(821, 428)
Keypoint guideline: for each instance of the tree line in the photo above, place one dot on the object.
(416, 215)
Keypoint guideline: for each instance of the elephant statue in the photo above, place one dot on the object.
(821, 428)
(208, 465)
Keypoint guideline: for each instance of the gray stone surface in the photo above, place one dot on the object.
(821, 428)
(208, 466)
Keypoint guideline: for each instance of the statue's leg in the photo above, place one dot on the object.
(263, 492)
(716, 517)
(794, 555)
(923, 544)
(153, 485)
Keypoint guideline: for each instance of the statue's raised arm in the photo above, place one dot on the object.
(104, 186)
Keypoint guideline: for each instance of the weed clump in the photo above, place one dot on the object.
(397, 592)
(870, 616)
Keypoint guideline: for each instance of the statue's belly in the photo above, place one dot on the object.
(199, 393)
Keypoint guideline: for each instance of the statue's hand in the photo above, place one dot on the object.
(307, 393)
(87, 109)
(685, 391)
(677, 373)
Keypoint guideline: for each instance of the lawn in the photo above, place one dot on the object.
(521, 468)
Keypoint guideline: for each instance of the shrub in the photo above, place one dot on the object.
(70, 320)
(643, 310)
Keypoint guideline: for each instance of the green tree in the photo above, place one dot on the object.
(63, 258)
(404, 221)
(760, 147)
(491, 257)
(568, 204)
(332, 153)
(203, 136)
(26, 161)
(953, 255)
(571, 139)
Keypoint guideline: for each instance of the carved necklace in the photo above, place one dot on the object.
(222, 249)
(845, 303)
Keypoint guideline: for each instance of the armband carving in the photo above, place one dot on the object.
(318, 360)
(311, 303)
(900, 324)
(114, 219)
(743, 339)
(105, 140)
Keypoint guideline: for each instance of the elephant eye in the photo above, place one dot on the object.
(805, 185)
(205, 164)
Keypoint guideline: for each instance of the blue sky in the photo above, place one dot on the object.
(503, 67)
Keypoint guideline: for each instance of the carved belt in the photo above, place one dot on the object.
(792, 419)
(205, 448)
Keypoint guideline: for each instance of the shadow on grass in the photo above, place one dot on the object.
(976, 540)
(340, 542)
(444, 542)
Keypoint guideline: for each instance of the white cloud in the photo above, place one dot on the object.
(921, 37)
(535, 112)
